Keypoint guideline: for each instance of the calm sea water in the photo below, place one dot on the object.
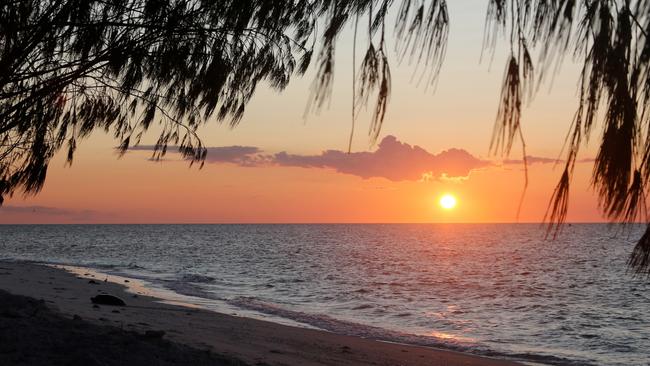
(499, 290)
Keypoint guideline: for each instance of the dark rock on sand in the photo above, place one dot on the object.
(154, 334)
(93, 282)
(107, 300)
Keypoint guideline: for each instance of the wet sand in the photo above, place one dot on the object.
(188, 332)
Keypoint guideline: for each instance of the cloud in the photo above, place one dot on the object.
(393, 160)
(533, 160)
(542, 160)
(241, 155)
(445, 178)
(46, 211)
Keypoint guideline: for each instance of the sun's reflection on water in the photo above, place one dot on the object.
(449, 337)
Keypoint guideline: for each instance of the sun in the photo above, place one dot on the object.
(447, 201)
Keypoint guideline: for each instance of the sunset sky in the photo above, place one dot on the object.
(278, 166)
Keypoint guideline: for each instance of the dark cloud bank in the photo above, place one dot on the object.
(393, 160)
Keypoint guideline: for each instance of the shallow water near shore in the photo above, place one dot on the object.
(498, 290)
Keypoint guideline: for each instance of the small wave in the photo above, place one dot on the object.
(339, 326)
(188, 289)
(192, 277)
(134, 266)
(100, 266)
(543, 359)
(447, 341)
(104, 266)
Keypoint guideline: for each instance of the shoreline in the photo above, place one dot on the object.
(163, 294)
(250, 340)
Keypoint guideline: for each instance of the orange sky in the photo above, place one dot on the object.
(101, 188)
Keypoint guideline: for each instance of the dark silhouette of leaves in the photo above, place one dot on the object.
(69, 68)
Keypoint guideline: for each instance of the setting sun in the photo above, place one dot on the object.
(448, 201)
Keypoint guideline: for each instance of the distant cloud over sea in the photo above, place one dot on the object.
(533, 160)
(393, 160)
(47, 211)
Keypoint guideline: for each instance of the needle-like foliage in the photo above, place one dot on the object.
(69, 68)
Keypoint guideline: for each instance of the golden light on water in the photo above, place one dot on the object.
(448, 201)
(449, 336)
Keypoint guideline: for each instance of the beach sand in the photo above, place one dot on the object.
(188, 332)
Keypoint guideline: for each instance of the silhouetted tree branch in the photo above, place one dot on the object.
(68, 68)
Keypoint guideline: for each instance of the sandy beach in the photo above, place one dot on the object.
(229, 339)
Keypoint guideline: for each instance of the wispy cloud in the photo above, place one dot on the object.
(393, 160)
(47, 211)
(241, 155)
(533, 160)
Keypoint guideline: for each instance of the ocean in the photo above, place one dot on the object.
(501, 290)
